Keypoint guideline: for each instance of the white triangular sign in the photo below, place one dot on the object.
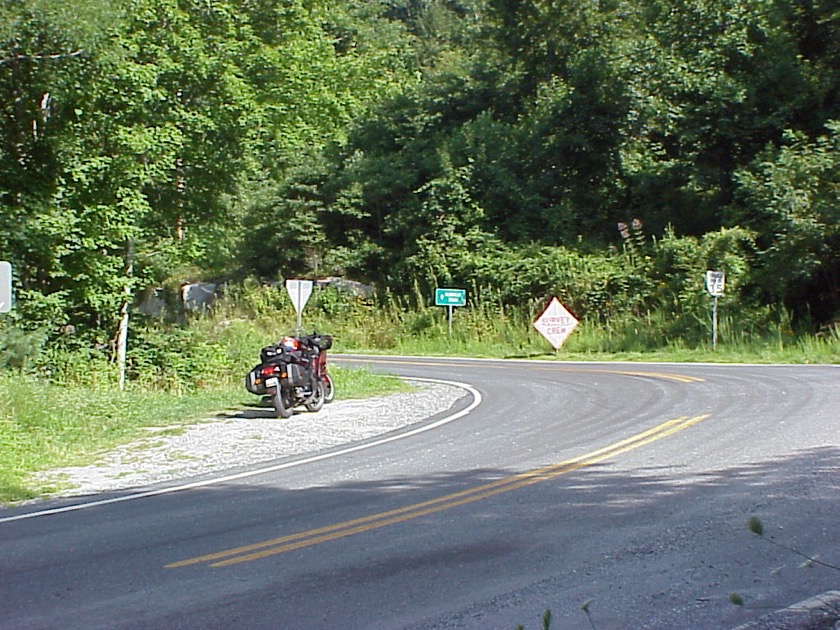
(555, 323)
(299, 291)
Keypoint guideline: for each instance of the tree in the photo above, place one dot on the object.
(143, 144)
(792, 200)
(330, 65)
(45, 53)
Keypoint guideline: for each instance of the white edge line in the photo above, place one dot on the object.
(261, 471)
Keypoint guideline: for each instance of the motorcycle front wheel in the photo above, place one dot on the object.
(317, 401)
(329, 389)
(281, 408)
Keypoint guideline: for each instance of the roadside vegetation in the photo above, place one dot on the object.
(45, 424)
(509, 148)
(60, 404)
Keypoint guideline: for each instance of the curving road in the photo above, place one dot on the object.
(623, 489)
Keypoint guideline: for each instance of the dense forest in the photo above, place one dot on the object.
(606, 151)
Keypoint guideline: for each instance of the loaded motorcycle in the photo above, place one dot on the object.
(293, 373)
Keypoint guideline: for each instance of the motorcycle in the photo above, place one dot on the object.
(292, 373)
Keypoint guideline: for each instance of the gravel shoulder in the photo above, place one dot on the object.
(247, 437)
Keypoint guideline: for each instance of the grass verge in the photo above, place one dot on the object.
(48, 426)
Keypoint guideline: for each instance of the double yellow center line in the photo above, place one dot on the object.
(546, 366)
(311, 537)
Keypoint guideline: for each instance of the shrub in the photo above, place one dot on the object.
(20, 349)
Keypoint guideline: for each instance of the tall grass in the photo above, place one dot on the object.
(394, 325)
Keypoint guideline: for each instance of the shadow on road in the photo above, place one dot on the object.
(661, 547)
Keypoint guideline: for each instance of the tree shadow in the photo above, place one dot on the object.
(663, 546)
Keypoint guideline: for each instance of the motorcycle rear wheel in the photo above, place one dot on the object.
(329, 389)
(281, 409)
(317, 401)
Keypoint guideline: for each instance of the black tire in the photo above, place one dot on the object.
(317, 401)
(329, 389)
(281, 409)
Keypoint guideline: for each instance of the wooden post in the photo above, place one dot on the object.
(122, 336)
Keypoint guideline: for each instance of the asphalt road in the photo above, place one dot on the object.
(615, 495)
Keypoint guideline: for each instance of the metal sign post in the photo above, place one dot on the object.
(714, 322)
(715, 283)
(299, 291)
(450, 298)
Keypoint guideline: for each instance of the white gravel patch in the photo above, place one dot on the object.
(245, 438)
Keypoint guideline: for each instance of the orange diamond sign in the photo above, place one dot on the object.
(555, 323)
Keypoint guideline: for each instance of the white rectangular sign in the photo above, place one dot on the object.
(5, 286)
(715, 282)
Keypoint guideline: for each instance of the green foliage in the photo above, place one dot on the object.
(44, 425)
(546, 621)
(362, 383)
(489, 326)
(575, 117)
(155, 110)
(585, 608)
(179, 359)
(490, 144)
(19, 349)
(756, 526)
(792, 195)
(76, 365)
(133, 134)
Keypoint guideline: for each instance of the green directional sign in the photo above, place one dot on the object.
(450, 297)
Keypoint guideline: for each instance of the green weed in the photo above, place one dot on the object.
(756, 526)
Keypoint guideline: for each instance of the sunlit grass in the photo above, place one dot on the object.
(46, 426)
